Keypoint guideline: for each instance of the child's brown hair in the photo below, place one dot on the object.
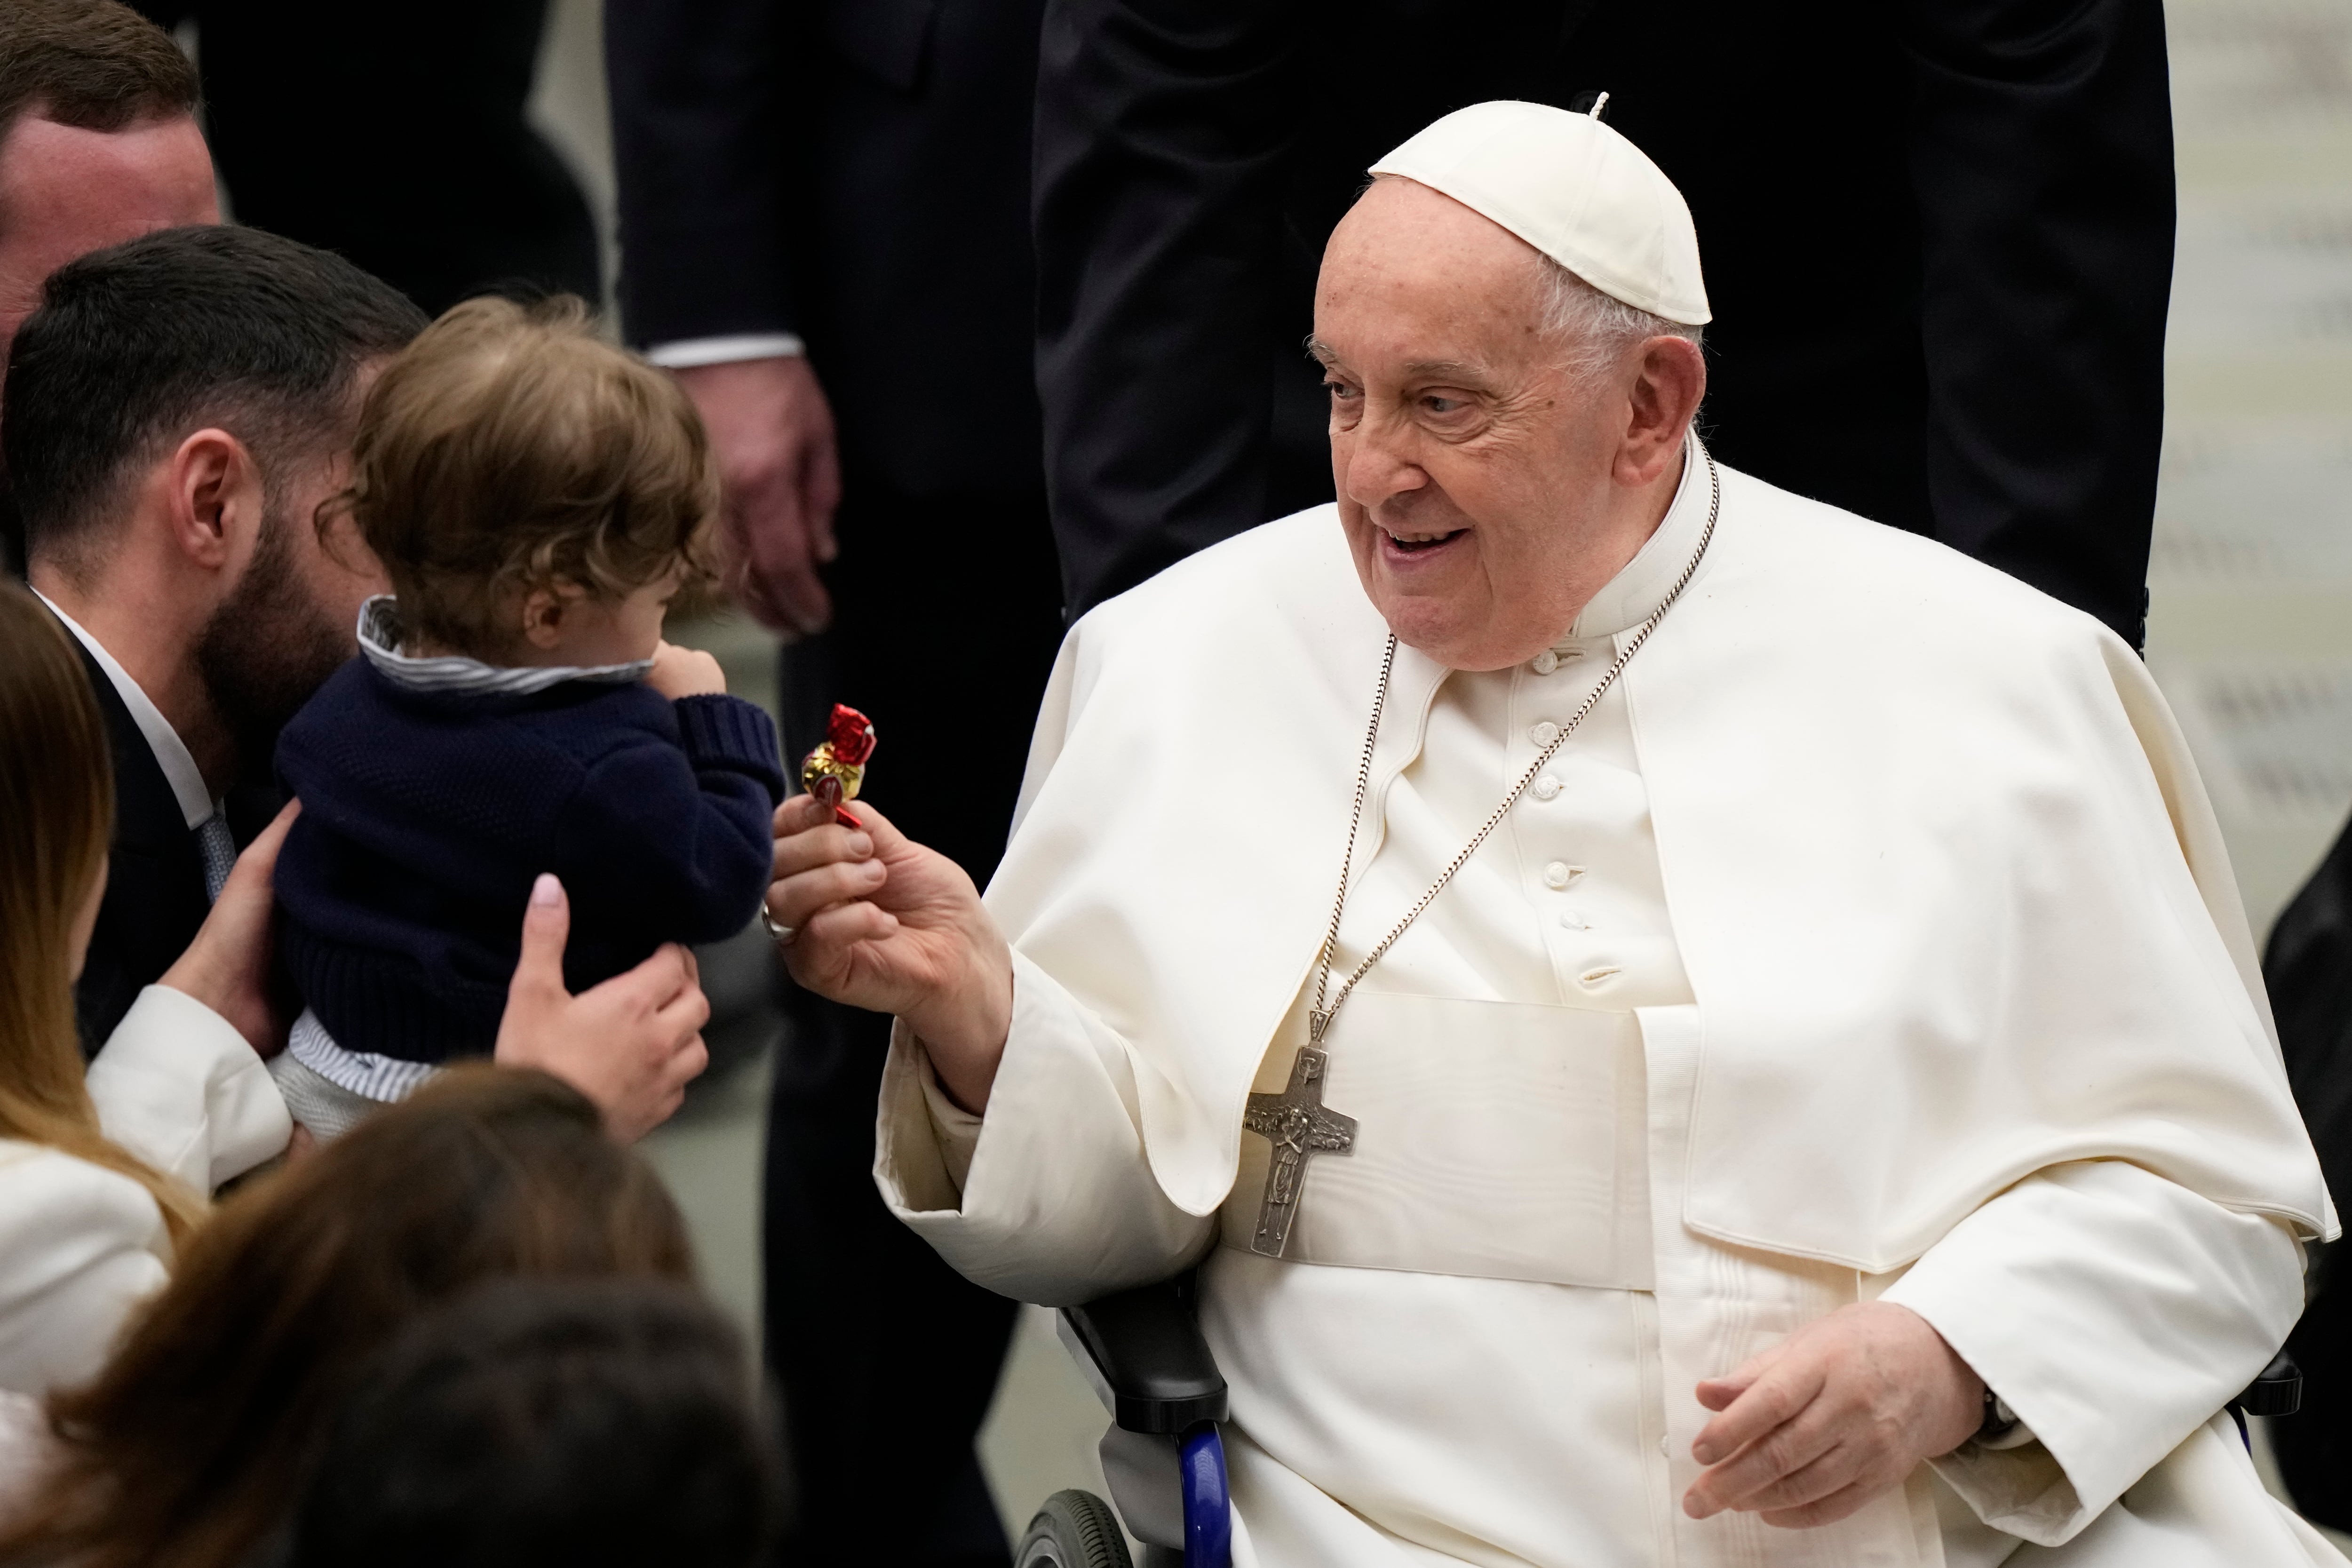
(507, 449)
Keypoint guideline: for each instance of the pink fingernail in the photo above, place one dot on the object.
(547, 892)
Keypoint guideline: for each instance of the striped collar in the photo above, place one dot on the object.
(379, 634)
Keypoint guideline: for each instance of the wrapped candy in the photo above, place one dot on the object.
(834, 771)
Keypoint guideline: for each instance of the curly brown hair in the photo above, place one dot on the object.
(509, 450)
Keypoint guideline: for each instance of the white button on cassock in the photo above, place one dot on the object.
(1573, 921)
(1545, 662)
(1559, 874)
(1543, 734)
(1546, 787)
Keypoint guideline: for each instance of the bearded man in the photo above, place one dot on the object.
(176, 412)
(1740, 1016)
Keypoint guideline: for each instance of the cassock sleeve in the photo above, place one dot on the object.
(1056, 1202)
(178, 1086)
(2114, 1311)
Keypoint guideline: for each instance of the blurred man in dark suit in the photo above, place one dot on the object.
(825, 216)
(398, 140)
(98, 141)
(1994, 238)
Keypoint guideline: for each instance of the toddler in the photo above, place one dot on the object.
(537, 499)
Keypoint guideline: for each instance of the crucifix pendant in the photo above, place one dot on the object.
(1297, 1124)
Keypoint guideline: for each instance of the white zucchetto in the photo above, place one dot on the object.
(1573, 188)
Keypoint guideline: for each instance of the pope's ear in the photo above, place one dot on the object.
(213, 498)
(1668, 385)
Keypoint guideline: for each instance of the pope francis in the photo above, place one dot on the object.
(1682, 1026)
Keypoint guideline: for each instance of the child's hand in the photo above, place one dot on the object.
(686, 672)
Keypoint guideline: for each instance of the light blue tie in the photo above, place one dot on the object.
(219, 850)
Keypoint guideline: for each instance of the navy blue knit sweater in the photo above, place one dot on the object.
(428, 816)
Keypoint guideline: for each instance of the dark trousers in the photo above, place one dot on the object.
(947, 614)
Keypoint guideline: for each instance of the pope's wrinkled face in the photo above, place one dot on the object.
(1488, 489)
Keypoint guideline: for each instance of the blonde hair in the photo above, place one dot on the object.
(507, 449)
(57, 814)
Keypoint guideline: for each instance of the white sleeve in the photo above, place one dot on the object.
(688, 354)
(79, 1247)
(2114, 1313)
(177, 1086)
(1054, 1201)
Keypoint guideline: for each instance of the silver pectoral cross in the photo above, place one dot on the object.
(1297, 1124)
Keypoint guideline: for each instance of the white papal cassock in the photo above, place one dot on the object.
(1870, 939)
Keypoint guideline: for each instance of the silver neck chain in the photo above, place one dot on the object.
(1319, 1016)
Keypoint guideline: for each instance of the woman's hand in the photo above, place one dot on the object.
(880, 922)
(227, 968)
(631, 1044)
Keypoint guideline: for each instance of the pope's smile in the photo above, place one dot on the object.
(1417, 549)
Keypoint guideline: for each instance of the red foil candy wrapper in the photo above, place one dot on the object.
(833, 772)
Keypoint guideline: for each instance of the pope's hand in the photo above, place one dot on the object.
(880, 922)
(1837, 1413)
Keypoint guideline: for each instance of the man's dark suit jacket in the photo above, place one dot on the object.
(395, 135)
(155, 896)
(830, 168)
(1936, 235)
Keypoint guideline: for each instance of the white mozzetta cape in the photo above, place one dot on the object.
(1951, 896)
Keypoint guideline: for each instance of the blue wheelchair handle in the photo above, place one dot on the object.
(1208, 1506)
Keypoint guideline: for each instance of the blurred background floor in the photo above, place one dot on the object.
(2250, 631)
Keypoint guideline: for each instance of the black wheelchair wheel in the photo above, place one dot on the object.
(1074, 1529)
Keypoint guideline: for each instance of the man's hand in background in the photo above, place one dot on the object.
(773, 429)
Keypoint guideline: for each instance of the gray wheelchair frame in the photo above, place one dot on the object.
(1144, 1354)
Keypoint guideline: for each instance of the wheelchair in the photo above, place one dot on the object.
(1143, 1352)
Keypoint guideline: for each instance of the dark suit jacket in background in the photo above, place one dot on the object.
(395, 134)
(1936, 235)
(833, 169)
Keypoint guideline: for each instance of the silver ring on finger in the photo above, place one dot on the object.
(781, 935)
